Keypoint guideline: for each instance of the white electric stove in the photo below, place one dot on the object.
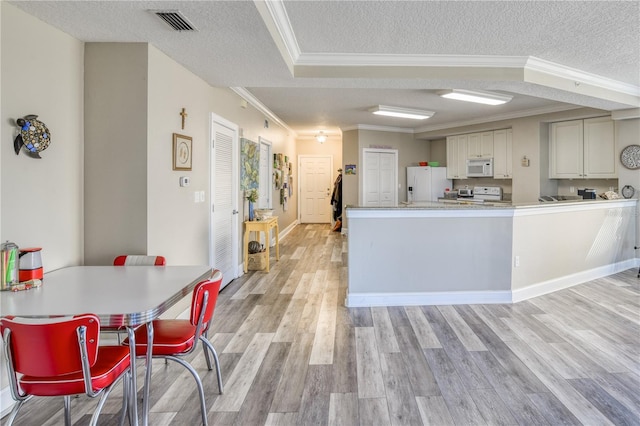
(487, 193)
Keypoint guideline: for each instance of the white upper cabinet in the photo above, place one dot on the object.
(582, 149)
(457, 157)
(480, 145)
(599, 148)
(502, 154)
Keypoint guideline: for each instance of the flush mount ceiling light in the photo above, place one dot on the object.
(486, 98)
(393, 111)
(321, 137)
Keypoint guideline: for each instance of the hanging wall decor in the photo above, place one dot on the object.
(250, 165)
(182, 152)
(33, 135)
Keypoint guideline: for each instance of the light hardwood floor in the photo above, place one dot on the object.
(292, 354)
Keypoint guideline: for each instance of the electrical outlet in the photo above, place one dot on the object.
(572, 189)
(516, 261)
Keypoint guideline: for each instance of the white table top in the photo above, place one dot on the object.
(119, 295)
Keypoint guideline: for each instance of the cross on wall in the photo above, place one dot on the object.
(184, 114)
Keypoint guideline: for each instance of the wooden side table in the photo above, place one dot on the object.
(265, 226)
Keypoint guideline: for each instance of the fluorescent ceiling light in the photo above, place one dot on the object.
(392, 111)
(486, 98)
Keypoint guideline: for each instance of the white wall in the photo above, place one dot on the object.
(42, 198)
(556, 243)
(177, 227)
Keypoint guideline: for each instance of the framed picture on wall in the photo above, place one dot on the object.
(182, 152)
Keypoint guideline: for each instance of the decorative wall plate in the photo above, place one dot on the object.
(34, 136)
(628, 191)
(630, 157)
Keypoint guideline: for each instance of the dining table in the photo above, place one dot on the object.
(121, 296)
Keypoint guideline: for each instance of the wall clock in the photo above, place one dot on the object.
(630, 157)
(628, 191)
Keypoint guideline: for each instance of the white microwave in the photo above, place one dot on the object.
(480, 167)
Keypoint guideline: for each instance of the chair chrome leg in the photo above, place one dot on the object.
(208, 344)
(194, 373)
(206, 352)
(67, 410)
(126, 384)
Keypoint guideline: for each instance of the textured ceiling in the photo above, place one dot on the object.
(296, 57)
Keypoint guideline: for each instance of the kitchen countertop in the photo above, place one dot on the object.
(474, 209)
(471, 204)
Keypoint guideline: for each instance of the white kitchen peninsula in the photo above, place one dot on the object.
(451, 254)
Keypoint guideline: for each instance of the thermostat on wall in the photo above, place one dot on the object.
(184, 180)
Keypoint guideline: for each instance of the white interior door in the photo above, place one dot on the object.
(224, 195)
(380, 178)
(315, 183)
(266, 170)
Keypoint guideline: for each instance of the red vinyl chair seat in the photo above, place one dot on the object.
(112, 362)
(170, 337)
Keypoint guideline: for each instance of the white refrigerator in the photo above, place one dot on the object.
(426, 183)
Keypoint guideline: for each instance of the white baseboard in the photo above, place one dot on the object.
(567, 281)
(359, 300)
(288, 229)
(355, 300)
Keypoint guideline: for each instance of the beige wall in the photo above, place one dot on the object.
(42, 198)
(350, 153)
(153, 208)
(115, 159)
(410, 152)
(628, 133)
(132, 113)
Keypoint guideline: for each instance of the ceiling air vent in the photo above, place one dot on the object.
(175, 20)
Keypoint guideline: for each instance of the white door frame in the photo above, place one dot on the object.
(300, 157)
(362, 180)
(235, 184)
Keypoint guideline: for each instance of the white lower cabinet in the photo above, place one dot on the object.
(582, 149)
(502, 154)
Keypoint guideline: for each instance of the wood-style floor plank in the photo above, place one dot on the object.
(292, 354)
(369, 373)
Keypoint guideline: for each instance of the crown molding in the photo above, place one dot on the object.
(255, 102)
(625, 114)
(399, 60)
(277, 21)
(579, 76)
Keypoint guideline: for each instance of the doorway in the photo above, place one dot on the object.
(223, 229)
(314, 181)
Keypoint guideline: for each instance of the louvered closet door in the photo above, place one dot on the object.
(224, 238)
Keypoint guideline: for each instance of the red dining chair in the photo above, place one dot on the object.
(62, 357)
(175, 338)
(139, 260)
(133, 260)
